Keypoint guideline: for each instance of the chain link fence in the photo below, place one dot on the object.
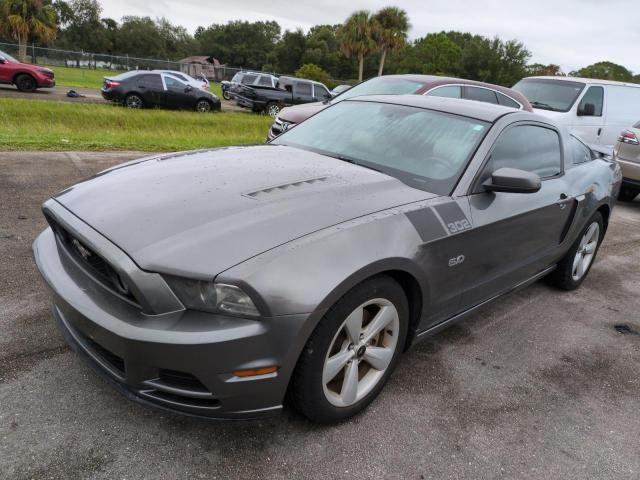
(194, 66)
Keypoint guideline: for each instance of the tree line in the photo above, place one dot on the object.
(364, 45)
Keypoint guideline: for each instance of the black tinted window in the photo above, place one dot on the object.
(152, 81)
(303, 89)
(450, 91)
(320, 91)
(579, 150)
(249, 79)
(594, 96)
(264, 80)
(506, 101)
(527, 147)
(481, 95)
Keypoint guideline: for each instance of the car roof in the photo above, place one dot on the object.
(486, 112)
(585, 80)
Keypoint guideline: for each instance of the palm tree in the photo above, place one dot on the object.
(356, 37)
(393, 26)
(28, 19)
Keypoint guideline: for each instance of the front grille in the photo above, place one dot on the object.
(182, 380)
(93, 263)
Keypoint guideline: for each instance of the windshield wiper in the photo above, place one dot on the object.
(353, 162)
(544, 106)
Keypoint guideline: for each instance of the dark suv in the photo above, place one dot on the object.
(139, 89)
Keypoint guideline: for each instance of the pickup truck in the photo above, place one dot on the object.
(288, 91)
(246, 78)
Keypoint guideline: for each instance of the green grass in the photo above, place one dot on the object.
(93, 78)
(46, 125)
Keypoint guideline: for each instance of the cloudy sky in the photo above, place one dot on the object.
(570, 33)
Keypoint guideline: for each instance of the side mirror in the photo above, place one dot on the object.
(513, 180)
(188, 88)
(2, 60)
(587, 110)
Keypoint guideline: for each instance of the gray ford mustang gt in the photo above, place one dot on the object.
(218, 283)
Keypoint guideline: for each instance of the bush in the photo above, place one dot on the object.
(311, 71)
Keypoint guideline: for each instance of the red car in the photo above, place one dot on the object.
(25, 76)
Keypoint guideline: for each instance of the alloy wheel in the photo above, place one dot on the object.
(360, 352)
(134, 101)
(273, 110)
(203, 106)
(586, 251)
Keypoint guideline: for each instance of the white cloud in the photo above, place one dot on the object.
(571, 33)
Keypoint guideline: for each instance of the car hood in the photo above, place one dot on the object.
(299, 113)
(197, 214)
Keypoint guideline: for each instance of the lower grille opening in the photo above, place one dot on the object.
(180, 400)
(182, 380)
(111, 358)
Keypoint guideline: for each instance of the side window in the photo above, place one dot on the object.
(265, 81)
(320, 92)
(152, 82)
(526, 147)
(248, 79)
(507, 102)
(450, 91)
(481, 94)
(303, 89)
(173, 83)
(595, 97)
(579, 151)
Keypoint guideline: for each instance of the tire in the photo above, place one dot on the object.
(133, 100)
(26, 83)
(332, 354)
(575, 265)
(627, 194)
(272, 109)
(225, 95)
(203, 106)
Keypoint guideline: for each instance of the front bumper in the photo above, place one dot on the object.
(180, 361)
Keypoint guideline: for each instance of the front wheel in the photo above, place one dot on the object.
(226, 95)
(351, 353)
(203, 106)
(26, 83)
(574, 267)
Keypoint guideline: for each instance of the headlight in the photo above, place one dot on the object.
(212, 297)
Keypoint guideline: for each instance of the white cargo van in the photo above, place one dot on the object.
(595, 110)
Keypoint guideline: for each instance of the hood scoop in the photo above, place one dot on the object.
(284, 187)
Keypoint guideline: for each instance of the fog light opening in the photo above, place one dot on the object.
(255, 372)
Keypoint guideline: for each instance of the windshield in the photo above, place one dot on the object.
(380, 86)
(549, 94)
(423, 148)
(8, 57)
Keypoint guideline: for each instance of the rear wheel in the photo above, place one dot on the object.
(26, 83)
(272, 109)
(203, 106)
(627, 194)
(133, 100)
(352, 352)
(574, 267)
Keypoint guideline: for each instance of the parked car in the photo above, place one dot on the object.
(405, 84)
(627, 154)
(247, 78)
(25, 76)
(200, 82)
(216, 282)
(339, 89)
(289, 91)
(596, 110)
(138, 89)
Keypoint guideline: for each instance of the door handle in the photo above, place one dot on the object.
(599, 131)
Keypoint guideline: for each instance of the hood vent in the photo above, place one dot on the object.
(257, 194)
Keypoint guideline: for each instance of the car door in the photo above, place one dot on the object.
(302, 92)
(178, 93)
(5, 75)
(515, 236)
(151, 88)
(589, 119)
(320, 94)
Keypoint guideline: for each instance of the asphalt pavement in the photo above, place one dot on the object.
(542, 384)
